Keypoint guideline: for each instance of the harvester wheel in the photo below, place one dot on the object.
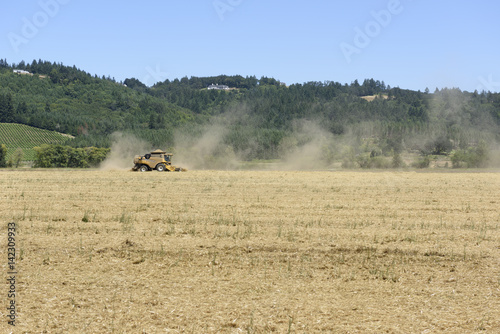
(143, 168)
(160, 167)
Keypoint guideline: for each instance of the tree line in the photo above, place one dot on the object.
(61, 156)
(260, 115)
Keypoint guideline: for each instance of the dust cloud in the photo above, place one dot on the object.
(306, 148)
(123, 150)
(308, 145)
(205, 149)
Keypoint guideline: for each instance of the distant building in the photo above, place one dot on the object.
(22, 72)
(217, 86)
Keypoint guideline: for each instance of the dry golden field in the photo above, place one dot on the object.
(253, 252)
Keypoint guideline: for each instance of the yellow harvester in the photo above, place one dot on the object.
(158, 160)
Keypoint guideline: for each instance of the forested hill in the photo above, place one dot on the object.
(262, 118)
(65, 99)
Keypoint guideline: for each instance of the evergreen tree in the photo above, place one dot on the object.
(6, 108)
(152, 121)
(3, 156)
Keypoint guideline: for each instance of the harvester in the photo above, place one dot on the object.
(158, 160)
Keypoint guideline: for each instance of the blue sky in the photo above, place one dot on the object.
(412, 44)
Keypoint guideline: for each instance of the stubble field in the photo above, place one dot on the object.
(253, 252)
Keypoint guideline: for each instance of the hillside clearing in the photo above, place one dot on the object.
(370, 98)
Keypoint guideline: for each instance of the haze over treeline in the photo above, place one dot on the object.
(361, 124)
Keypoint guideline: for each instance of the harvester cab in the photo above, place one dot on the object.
(157, 160)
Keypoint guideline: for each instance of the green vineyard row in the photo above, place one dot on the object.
(26, 137)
